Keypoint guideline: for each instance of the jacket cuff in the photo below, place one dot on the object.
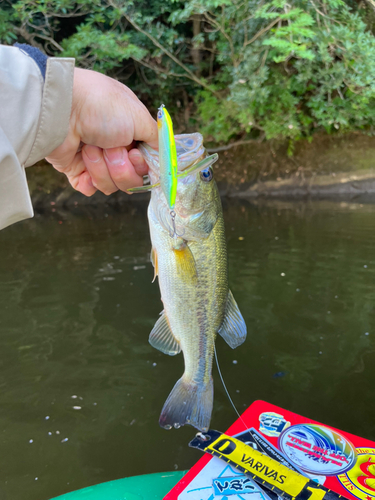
(56, 107)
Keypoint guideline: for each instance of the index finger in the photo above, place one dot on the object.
(145, 127)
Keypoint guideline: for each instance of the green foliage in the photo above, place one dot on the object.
(6, 33)
(306, 67)
(220, 125)
(105, 50)
(274, 69)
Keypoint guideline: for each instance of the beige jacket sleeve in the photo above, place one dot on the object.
(34, 120)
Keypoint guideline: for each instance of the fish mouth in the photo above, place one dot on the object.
(189, 148)
(190, 151)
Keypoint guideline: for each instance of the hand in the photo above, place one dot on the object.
(107, 118)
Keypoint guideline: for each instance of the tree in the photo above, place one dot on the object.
(248, 69)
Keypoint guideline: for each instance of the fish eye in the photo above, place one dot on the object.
(160, 114)
(207, 175)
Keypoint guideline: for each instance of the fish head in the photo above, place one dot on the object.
(197, 200)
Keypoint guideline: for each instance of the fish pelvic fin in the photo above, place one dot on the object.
(154, 260)
(233, 328)
(188, 403)
(162, 338)
(185, 263)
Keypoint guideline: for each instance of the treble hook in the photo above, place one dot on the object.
(174, 234)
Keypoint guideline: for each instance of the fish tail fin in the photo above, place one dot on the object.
(188, 403)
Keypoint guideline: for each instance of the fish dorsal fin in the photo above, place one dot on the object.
(154, 260)
(185, 262)
(233, 328)
(162, 338)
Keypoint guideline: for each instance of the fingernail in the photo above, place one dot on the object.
(136, 158)
(93, 153)
(115, 155)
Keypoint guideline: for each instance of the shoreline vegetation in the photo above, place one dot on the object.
(290, 81)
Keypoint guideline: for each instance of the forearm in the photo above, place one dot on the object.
(34, 120)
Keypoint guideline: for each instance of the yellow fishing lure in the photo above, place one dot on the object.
(168, 163)
(167, 156)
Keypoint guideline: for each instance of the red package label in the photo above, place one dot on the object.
(342, 462)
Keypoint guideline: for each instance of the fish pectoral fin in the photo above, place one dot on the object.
(233, 328)
(154, 260)
(162, 338)
(185, 263)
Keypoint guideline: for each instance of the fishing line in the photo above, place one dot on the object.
(226, 390)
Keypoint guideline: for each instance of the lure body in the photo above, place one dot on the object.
(168, 163)
(167, 157)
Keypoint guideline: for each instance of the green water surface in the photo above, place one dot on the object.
(80, 387)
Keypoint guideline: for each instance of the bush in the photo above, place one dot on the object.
(237, 69)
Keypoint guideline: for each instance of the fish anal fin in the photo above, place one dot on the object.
(154, 260)
(162, 338)
(233, 328)
(185, 263)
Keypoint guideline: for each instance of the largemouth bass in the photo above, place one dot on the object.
(192, 271)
